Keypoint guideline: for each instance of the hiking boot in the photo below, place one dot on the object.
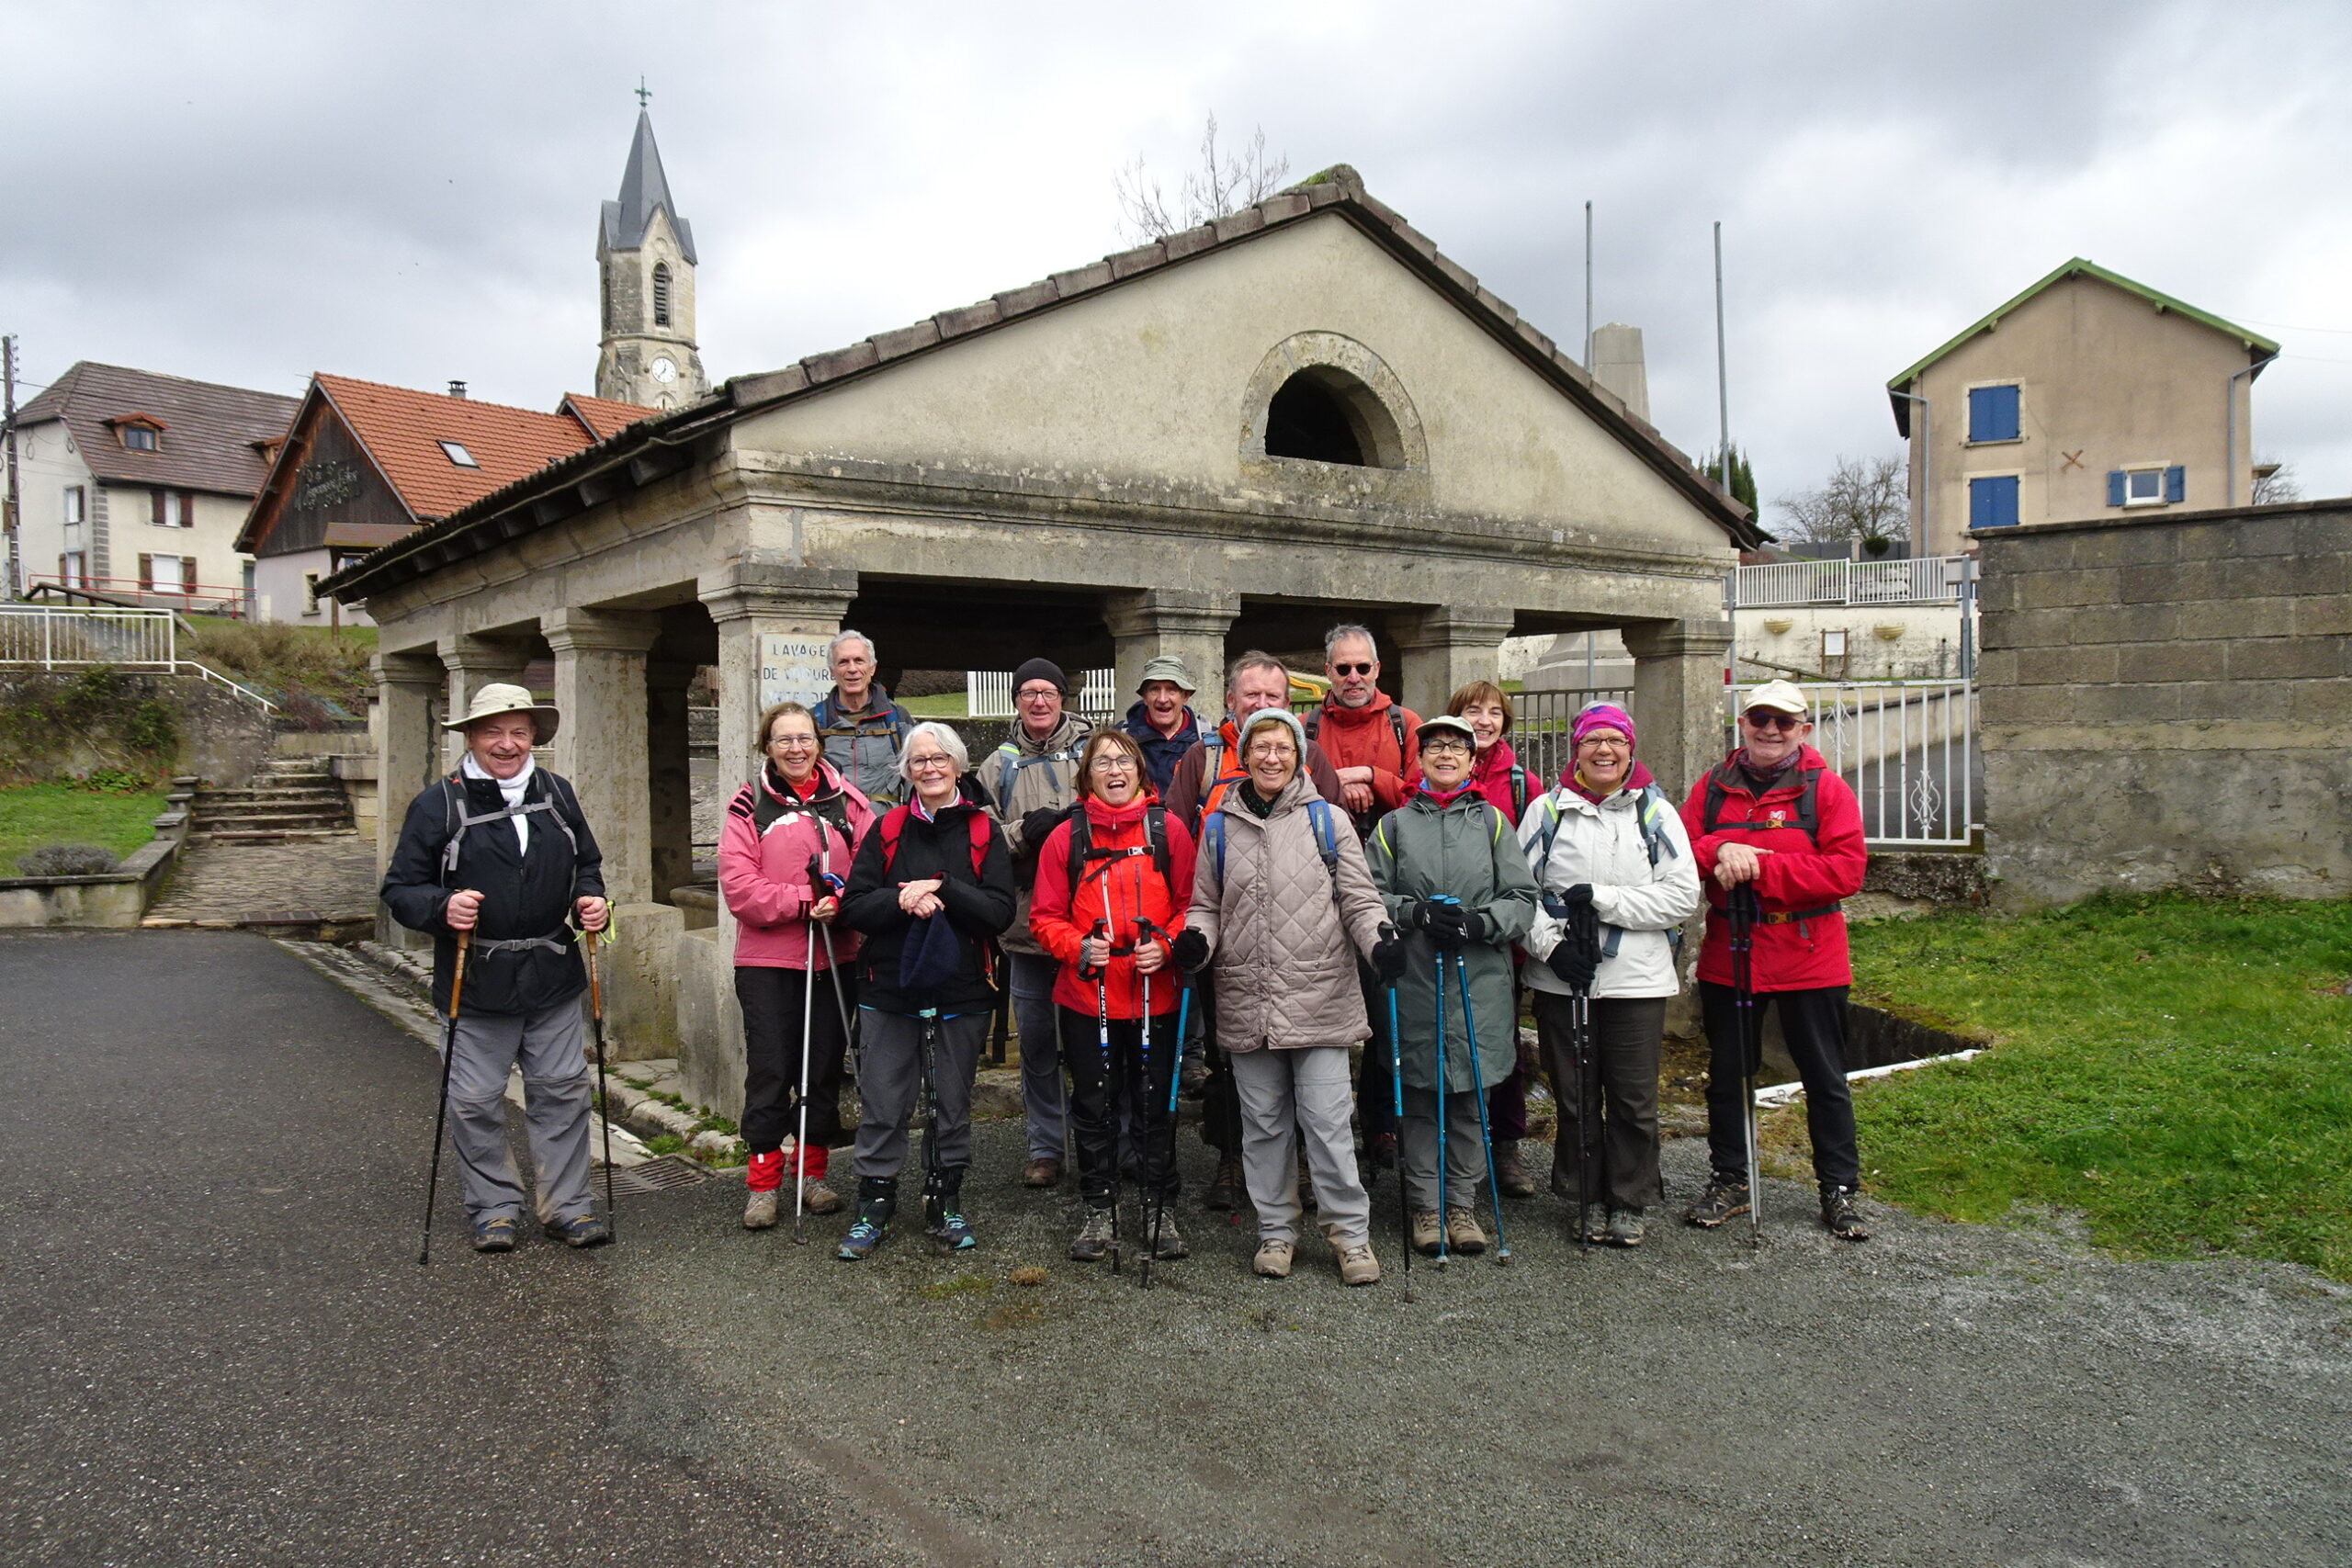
(1838, 1215)
(1463, 1234)
(877, 1202)
(1194, 1079)
(1511, 1175)
(1273, 1260)
(1224, 1193)
(581, 1230)
(1358, 1266)
(1596, 1226)
(1094, 1236)
(1725, 1196)
(494, 1235)
(1425, 1232)
(819, 1199)
(764, 1175)
(759, 1211)
(1043, 1171)
(943, 1214)
(1170, 1244)
(1625, 1227)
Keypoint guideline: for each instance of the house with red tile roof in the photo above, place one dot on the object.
(361, 465)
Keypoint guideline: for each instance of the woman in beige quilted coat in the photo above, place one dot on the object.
(1282, 904)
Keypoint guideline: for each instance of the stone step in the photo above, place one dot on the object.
(270, 835)
(225, 825)
(287, 802)
(274, 792)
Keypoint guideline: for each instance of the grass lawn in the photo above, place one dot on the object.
(2177, 1071)
(34, 814)
(946, 704)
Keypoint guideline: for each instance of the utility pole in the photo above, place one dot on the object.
(9, 585)
(1588, 285)
(1723, 372)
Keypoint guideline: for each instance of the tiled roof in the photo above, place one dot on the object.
(1337, 188)
(402, 429)
(209, 429)
(602, 416)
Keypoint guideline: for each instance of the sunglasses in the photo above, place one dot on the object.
(1365, 669)
(1767, 718)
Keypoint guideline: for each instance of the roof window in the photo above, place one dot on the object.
(137, 431)
(458, 455)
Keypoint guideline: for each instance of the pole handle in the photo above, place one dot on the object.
(457, 970)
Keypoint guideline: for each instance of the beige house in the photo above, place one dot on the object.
(2088, 396)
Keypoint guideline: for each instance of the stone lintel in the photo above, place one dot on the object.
(1452, 625)
(1678, 640)
(599, 631)
(405, 670)
(772, 590)
(1170, 612)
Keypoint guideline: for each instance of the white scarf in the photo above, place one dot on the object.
(511, 789)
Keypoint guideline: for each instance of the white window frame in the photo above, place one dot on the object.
(2153, 470)
(457, 454)
(75, 507)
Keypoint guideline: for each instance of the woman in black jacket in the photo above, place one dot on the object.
(931, 889)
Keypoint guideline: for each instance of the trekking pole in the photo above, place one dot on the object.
(931, 1179)
(1397, 1096)
(1438, 980)
(1143, 1053)
(1175, 1063)
(604, 1090)
(1742, 906)
(836, 886)
(1580, 1051)
(441, 1115)
(1479, 1088)
(1102, 1037)
(807, 1027)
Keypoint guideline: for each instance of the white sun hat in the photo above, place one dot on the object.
(497, 698)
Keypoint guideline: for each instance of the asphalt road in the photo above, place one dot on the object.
(217, 1348)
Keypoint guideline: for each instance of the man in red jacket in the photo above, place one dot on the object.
(1775, 815)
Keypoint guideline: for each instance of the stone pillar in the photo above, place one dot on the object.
(600, 740)
(1189, 623)
(1678, 698)
(1446, 647)
(408, 711)
(473, 663)
(750, 600)
(669, 781)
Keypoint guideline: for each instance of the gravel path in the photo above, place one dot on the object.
(229, 881)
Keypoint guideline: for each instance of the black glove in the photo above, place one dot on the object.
(1580, 894)
(1038, 826)
(1190, 951)
(1578, 957)
(1388, 957)
(1448, 923)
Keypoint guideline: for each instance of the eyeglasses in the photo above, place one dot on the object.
(1366, 667)
(794, 742)
(934, 763)
(1606, 742)
(1038, 694)
(1447, 743)
(1272, 748)
(1771, 718)
(1111, 765)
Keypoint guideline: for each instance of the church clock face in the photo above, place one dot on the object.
(665, 371)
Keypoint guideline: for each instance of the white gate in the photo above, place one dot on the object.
(987, 694)
(1908, 748)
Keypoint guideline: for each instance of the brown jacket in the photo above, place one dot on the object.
(1283, 938)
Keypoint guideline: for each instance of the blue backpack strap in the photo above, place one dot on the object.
(1545, 835)
(1319, 813)
(1212, 833)
(1008, 767)
(1650, 810)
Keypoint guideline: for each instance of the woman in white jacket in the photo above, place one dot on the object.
(1608, 852)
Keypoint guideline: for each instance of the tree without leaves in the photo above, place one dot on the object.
(1864, 498)
(1224, 182)
(2279, 484)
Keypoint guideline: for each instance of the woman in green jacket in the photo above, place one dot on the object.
(1456, 884)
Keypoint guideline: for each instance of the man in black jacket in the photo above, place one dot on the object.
(500, 849)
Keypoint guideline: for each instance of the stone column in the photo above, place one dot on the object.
(750, 600)
(408, 710)
(1678, 698)
(669, 781)
(473, 663)
(1189, 623)
(1446, 647)
(600, 741)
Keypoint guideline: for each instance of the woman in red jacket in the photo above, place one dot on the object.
(1774, 814)
(794, 823)
(1112, 883)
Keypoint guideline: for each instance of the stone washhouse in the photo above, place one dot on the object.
(1300, 414)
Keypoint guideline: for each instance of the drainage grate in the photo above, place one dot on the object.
(661, 1175)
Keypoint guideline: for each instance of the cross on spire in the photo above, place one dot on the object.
(643, 91)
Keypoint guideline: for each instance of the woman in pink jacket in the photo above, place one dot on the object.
(791, 825)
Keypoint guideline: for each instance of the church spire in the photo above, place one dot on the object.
(645, 190)
(646, 253)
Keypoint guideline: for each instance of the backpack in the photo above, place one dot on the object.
(1081, 847)
(894, 823)
(455, 820)
(1518, 795)
(1314, 725)
(1649, 810)
(1009, 762)
(1808, 804)
(1319, 815)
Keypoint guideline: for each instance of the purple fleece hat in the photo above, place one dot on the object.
(1601, 716)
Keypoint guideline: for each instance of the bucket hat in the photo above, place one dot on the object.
(1167, 667)
(499, 697)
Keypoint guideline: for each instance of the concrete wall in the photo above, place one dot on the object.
(1926, 644)
(2167, 702)
(2106, 380)
(279, 595)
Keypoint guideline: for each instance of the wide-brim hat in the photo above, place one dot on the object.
(497, 698)
(1780, 696)
(1169, 668)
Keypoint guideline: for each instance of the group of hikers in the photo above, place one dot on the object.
(1319, 926)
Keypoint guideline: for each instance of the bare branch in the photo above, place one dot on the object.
(1864, 498)
(1221, 184)
(2279, 484)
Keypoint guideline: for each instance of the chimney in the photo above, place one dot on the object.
(457, 388)
(1617, 364)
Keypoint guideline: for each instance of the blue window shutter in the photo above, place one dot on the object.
(1993, 414)
(1993, 502)
(1980, 503)
(2005, 502)
(2176, 483)
(2115, 496)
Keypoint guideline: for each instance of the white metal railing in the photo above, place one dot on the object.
(1908, 748)
(987, 694)
(1928, 579)
(60, 637)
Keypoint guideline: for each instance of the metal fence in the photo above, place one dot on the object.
(987, 694)
(1928, 579)
(1540, 733)
(51, 637)
(1908, 748)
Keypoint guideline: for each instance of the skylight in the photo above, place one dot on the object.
(458, 455)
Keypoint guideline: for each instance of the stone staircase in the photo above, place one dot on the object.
(290, 799)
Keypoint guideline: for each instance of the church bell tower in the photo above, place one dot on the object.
(645, 254)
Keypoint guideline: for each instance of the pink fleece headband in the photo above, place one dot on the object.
(1601, 715)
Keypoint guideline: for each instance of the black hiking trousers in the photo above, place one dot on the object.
(1134, 1133)
(1813, 1024)
(770, 1000)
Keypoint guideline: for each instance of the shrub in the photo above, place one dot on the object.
(64, 859)
(114, 781)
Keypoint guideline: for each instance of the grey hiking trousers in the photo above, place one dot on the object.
(890, 1082)
(558, 1095)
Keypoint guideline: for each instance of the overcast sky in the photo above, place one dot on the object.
(408, 193)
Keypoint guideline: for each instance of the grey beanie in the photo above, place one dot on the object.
(1167, 667)
(1265, 716)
